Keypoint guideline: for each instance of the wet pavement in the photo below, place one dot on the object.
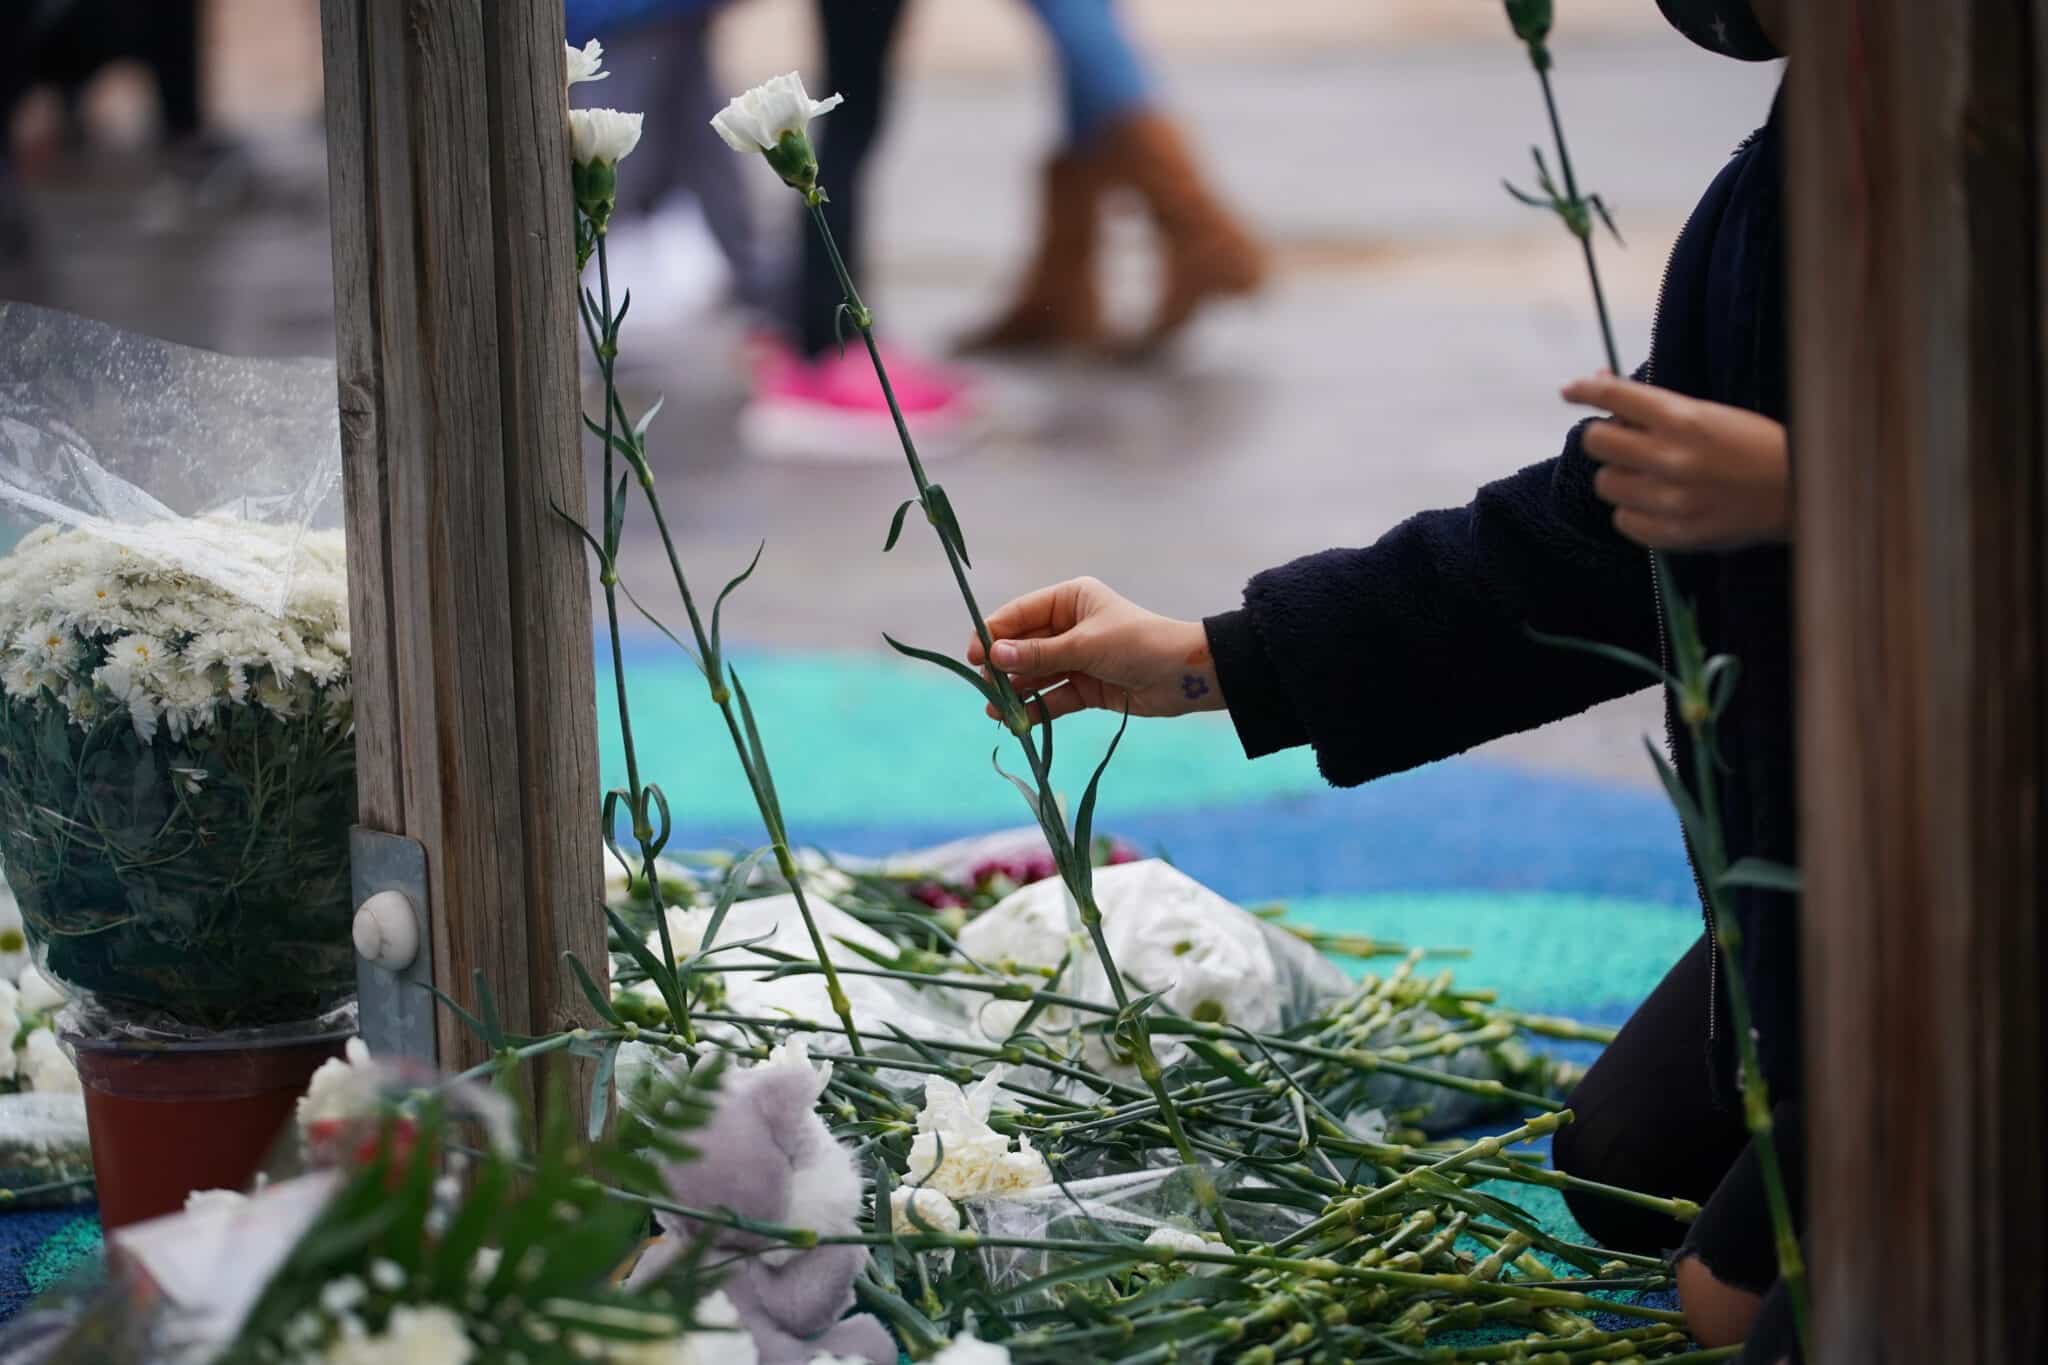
(1409, 348)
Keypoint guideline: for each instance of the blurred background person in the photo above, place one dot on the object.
(684, 230)
(1116, 137)
(810, 398)
(65, 45)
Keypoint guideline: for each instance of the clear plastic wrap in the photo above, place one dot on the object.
(177, 769)
(149, 444)
(1154, 1206)
(1210, 960)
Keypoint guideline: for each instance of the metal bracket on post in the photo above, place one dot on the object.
(394, 944)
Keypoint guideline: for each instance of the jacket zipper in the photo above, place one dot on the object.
(1664, 665)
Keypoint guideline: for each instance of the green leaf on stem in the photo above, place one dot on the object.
(662, 974)
(476, 1025)
(659, 625)
(1690, 818)
(951, 665)
(995, 757)
(896, 524)
(1612, 653)
(647, 419)
(604, 559)
(771, 804)
(718, 605)
(1084, 818)
(939, 508)
(1762, 875)
(590, 991)
(736, 877)
(487, 1009)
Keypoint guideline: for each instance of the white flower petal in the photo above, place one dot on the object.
(586, 63)
(602, 136)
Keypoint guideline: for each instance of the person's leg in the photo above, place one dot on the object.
(1729, 1260)
(171, 50)
(1100, 73)
(1647, 1118)
(702, 164)
(858, 36)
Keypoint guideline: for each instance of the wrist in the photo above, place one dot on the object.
(1194, 666)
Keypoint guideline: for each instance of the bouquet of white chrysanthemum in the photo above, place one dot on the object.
(177, 774)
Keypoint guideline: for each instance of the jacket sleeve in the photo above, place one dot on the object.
(1420, 646)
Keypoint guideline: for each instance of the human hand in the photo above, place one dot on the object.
(1684, 474)
(1081, 646)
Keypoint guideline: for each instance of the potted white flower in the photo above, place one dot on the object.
(177, 783)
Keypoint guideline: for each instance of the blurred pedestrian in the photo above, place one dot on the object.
(1117, 137)
(809, 398)
(65, 44)
(683, 181)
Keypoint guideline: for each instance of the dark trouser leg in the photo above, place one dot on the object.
(1647, 1117)
(858, 35)
(171, 48)
(1733, 1236)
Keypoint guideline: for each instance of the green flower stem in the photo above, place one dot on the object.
(604, 344)
(1584, 234)
(1070, 860)
(1756, 1104)
(1350, 1210)
(16, 1195)
(757, 776)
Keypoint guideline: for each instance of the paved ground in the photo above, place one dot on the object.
(1410, 347)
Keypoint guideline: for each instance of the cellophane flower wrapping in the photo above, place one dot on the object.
(1153, 1206)
(177, 768)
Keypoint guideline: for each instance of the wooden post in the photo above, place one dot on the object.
(1917, 181)
(457, 334)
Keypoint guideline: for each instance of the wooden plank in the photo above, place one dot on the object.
(538, 330)
(1923, 601)
(456, 328)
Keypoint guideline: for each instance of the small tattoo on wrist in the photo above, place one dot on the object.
(1194, 687)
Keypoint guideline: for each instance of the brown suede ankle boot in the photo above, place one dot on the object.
(1209, 254)
(1057, 304)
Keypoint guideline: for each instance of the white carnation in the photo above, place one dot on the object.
(586, 63)
(48, 1065)
(10, 1028)
(967, 1350)
(347, 1087)
(602, 137)
(756, 120)
(428, 1335)
(958, 1154)
(39, 994)
(934, 1212)
(14, 963)
(719, 1340)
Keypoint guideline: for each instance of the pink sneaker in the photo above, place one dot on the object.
(832, 408)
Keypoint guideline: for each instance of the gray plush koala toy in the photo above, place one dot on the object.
(767, 1156)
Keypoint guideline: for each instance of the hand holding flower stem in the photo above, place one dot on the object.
(773, 119)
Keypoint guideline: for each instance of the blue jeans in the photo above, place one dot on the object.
(1100, 73)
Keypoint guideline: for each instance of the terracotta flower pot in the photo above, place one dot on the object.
(166, 1119)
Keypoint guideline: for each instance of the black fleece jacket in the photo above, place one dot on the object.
(1420, 645)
